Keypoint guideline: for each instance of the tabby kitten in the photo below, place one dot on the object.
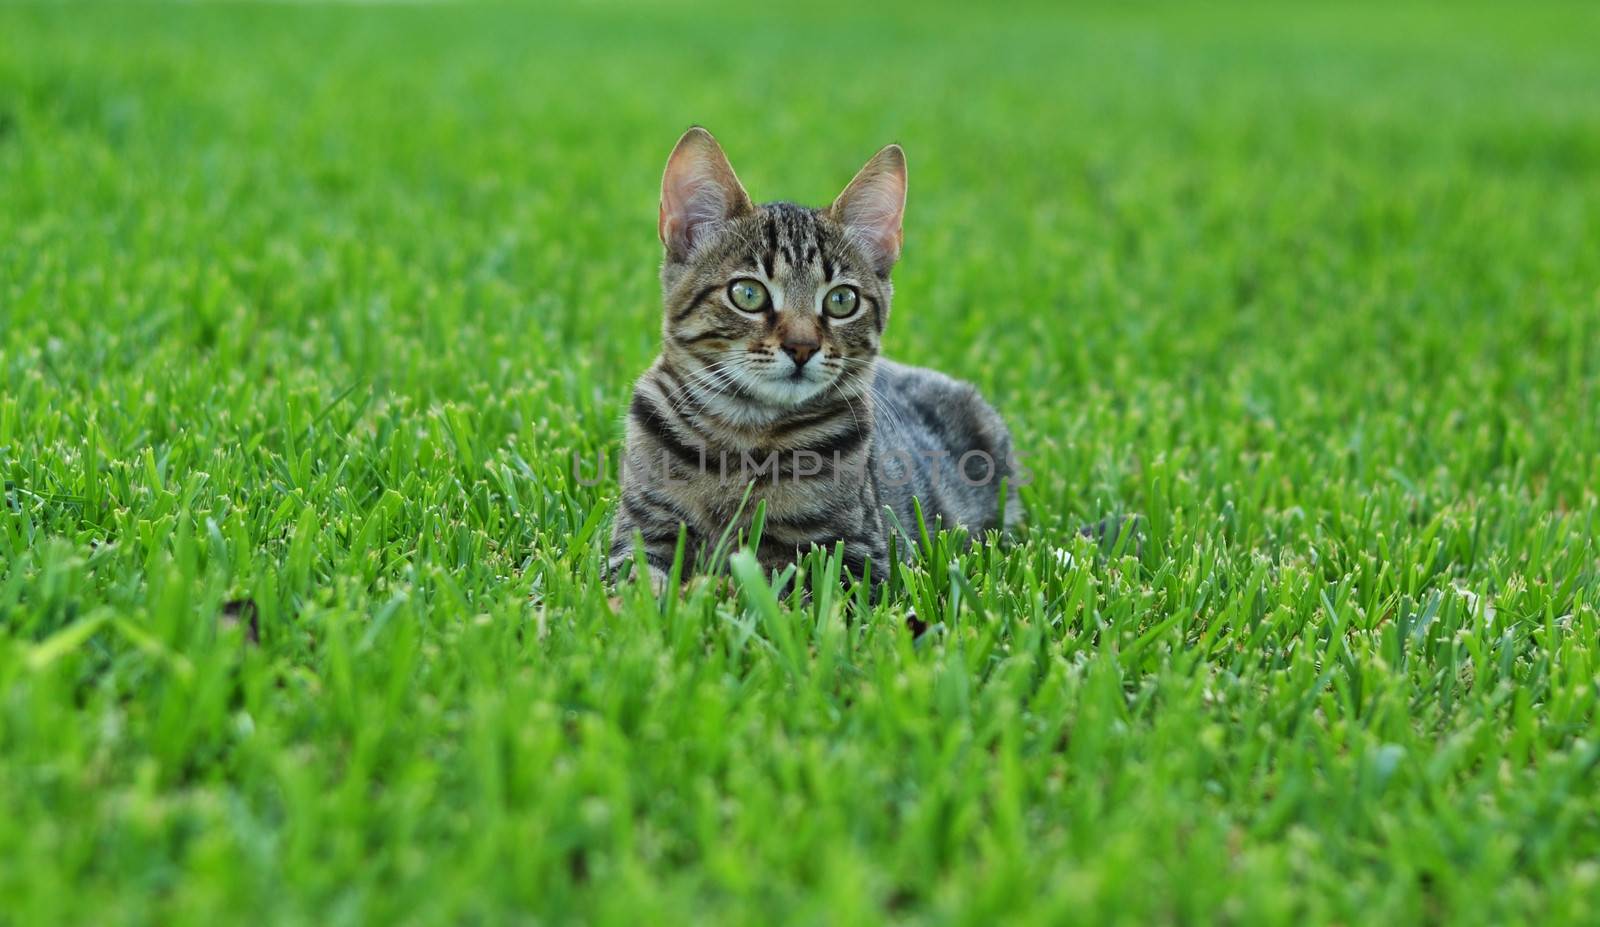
(769, 378)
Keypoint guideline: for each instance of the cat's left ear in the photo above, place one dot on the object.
(699, 194)
(872, 206)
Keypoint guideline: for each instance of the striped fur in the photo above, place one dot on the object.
(837, 443)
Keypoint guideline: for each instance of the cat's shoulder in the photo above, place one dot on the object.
(921, 381)
(948, 405)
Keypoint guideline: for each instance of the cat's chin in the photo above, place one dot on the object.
(786, 391)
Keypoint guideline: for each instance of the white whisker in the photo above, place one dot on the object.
(715, 378)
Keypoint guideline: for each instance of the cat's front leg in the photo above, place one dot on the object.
(650, 524)
(657, 555)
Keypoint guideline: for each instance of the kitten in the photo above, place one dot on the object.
(769, 378)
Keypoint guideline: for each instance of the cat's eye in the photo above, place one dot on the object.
(841, 301)
(748, 295)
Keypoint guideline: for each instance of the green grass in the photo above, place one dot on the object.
(310, 307)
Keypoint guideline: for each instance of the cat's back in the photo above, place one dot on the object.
(958, 445)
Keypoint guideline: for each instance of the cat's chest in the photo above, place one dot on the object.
(714, 499)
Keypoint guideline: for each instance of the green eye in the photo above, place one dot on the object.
(748, 295)
(841, 301)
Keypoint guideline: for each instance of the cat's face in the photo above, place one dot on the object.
(775, 304)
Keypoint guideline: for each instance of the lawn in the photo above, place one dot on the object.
(306, 310)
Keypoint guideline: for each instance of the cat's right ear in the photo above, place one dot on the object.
(699, 193)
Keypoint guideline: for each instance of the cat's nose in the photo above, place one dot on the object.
(800, 349)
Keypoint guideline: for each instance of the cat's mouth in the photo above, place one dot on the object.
(788, 387)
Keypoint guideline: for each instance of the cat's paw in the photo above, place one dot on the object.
(659, 581)
(619, 572)
(716, 585)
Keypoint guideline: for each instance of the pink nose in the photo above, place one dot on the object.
(800, 351)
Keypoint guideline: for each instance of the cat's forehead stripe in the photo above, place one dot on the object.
(795, 236)
(770, 257)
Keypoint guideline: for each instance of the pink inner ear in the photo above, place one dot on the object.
(698, 193)
(683, 205)
(695, 197)
(872, 211)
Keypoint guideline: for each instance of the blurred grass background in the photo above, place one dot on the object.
(307, 305)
